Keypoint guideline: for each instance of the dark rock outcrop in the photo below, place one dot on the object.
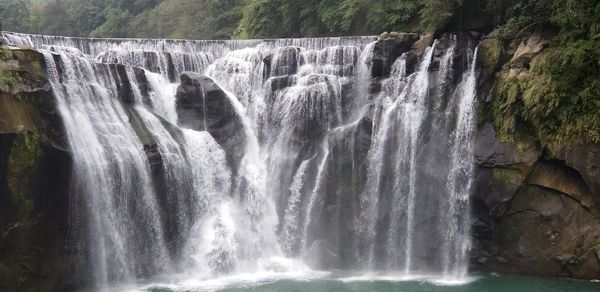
(285, 62)
(203, 105)
(35, 171)
(387, 49)
(344, 176)
(583, 157)
(125, 86)
(535, 213)
(536, 203)
(544, 232)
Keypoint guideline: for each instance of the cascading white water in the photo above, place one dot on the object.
(112, 176)
(328, 174)
(313, 197)
(456, 218)
(211, 244)
(369, 200)
(169, 64)
(292, 212)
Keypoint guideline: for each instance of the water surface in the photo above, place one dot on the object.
(487, 283)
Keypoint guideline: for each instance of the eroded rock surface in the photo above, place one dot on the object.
(202, 105)
(35, 170)
(534, 213)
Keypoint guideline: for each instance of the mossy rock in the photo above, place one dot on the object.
(6, 53)
(21, 70)
(35, 174)
(490, 55)
(556, 176)
(33, 63)
(546, 232)
(22, 163)
(507, 179)
(531, 101)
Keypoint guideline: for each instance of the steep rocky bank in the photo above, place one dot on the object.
(536, 199)
(34, 176)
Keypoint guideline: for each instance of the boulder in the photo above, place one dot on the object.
(490, 152)
(545, 232)
(585, 158)
(424, 41)
(561, 178)
(124, 85)
(490, 54)
(528, 49)
(202, 105)
(387, 49)
(284, 62)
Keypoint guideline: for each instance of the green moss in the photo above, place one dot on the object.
(490, 52)
(8, 79)
(506, 175)
(22, 163)
(6, 54)
(505, 109)
(140, 128)
(594, 247)
(34, 60)
(483, 113)
(540, 105)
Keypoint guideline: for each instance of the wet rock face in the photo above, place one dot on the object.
(124, 84)
(534, 213)
(490, 152)
(490, 55)
(545, 232)
(387, 49)
(342, 185)
(285, 62)
(535, 206)
(35, 171)
(585, 158)
(528, 49)
(202, 105)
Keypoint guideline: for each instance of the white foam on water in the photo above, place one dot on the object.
(270, 270)
(403, 277)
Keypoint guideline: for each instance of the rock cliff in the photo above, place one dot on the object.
(34, 176)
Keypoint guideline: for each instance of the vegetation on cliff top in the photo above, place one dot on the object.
(558, 100)
(208, 19)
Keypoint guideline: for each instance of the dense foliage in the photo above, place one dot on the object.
(559, 100)
(124, 18)
(224, 18)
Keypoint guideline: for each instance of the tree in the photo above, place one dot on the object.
(14, 15)
(264, 19)
(115, 24)
(435, 14)
(54, 19)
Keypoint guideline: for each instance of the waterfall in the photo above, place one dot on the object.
(456, 218)
(211, 245)
(111, 172)
(317, 161)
